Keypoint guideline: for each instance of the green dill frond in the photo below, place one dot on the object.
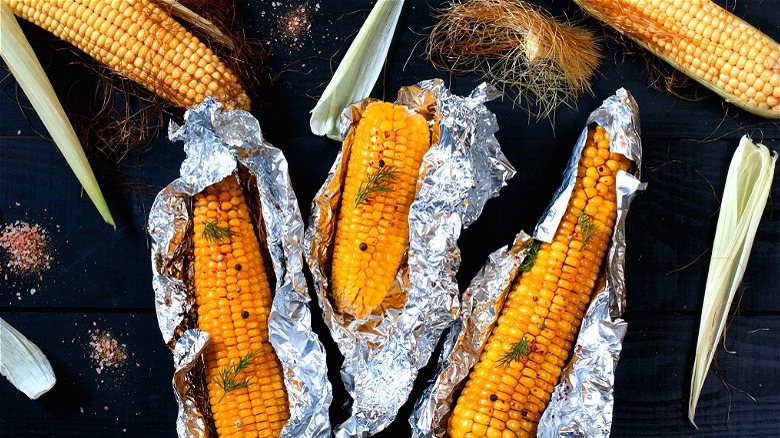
(587, 228)
(530, 257)
(228, 375)
(214, 232)
(519, 351)
(376, 182)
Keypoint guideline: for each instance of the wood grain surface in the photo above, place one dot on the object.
(101, 278)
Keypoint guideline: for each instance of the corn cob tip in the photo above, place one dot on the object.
(140, 41)
(372, 230)
(233, 296)
(509, 388)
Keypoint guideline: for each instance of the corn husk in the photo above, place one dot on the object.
(23, 363)
(20, 58)
(359, 70)
(744, 197)
(202, 24)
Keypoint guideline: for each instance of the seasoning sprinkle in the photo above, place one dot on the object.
(26, 248)
(105, 350)
(294, 26)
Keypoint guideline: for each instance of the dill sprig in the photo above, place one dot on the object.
(530, 257)
(228, 375)
(215, 232)
(587, 228)
(375, 183)
(518, 352)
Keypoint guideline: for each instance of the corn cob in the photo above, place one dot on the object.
(244, 377)
(139, 40)
(372, 229)
(704, 41)
(512, 383)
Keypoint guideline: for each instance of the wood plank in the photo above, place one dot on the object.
(106, 275)
(651, 393)
(137, 395)
(672, 225)
(94, 266)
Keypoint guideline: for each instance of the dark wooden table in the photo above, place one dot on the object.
(101, 277)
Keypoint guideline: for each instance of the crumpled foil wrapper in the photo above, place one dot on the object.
(218, 144)
(581, 405)
(462, 170)
(481, 304)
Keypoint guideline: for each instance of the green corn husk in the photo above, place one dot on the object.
(23, 363)
(744, 198)
(359, 70)
(21, 60)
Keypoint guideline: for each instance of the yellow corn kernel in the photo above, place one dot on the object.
(542, 328)
(704, 41)
(140, 41)
(372, 231)
(234, 300)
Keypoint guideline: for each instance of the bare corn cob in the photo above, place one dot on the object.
(372, 230)
(139, 40)
(520, 365)
(244, 377)
(704, 41)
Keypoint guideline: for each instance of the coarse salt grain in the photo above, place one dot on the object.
(105, 351)
(26, 248)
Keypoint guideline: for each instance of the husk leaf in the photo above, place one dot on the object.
(23, 363)
(744, 198)
(359, 70)
(21, 60)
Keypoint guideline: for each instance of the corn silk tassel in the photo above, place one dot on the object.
(519, 47)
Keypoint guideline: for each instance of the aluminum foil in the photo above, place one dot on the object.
(481, 304)
(218, 144)
(581, 404)
(462, 170)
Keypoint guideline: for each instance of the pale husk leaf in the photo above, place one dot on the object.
(359, 70)
(744, 198)
(21, 60)
(23, 363)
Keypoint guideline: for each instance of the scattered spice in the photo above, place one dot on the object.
(26, 248)
(294, 26)
(105, 350)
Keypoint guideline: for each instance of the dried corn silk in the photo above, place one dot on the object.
(26, 249)
(105, 351)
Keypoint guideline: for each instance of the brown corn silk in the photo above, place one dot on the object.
(233, 297)
(511, 385)
(372, 231)
(704, 41)
(139, 40)
(518, 46)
